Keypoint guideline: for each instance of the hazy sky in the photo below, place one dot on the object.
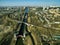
(29, 2)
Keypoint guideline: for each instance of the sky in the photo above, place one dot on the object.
(29, 2)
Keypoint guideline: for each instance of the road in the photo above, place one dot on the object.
(22, 30)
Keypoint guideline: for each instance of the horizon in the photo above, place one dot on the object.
(42, 3)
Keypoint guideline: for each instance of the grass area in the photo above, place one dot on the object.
(28, 41)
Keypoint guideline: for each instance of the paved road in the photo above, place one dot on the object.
(22, 31)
